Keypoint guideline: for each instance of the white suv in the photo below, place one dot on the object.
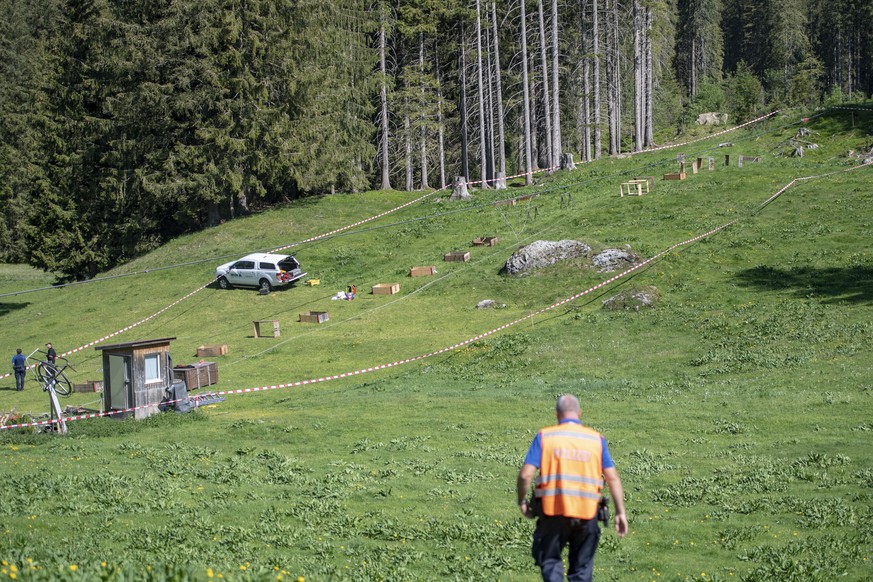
(263, 270)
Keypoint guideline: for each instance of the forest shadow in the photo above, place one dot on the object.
(844, 120)
(9, 307)
(839, 284)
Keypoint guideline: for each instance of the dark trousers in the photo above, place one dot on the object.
(19, 379)
(552, 533)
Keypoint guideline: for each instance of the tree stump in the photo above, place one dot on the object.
(459, 189)
(567, 162)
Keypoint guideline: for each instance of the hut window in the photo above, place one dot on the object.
(152, 368)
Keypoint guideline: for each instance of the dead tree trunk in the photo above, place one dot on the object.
(598, 106)
(422, 119)
(649, 139)
(544, 65)
(528, 164)
(462, 68)
(483, 128)
(556, 93)
(500, 183)
(440, 129)
(383, 102)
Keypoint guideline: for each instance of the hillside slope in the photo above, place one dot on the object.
(736, 409)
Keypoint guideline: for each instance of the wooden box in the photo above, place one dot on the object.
(386, 288)
(675, 176)
(211, 351)
(266, 328)
(459, 256)
(197, 375)
(314, 317)
(89, 386)
(422, 271)
(486, 241)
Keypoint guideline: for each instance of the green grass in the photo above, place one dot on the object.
(738, 411)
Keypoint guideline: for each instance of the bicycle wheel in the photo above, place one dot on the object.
(62, 385)
(45, 372)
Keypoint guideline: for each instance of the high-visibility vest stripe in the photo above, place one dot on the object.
(542, 480)
(568, 492)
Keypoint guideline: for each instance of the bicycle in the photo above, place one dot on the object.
(51, 375)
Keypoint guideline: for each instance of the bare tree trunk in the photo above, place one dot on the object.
(556, 86)
(483, 128)
(535, 142)
(638, 78)
(584, 33)
(422, 119)
(501, 137)
(407, 138)
(615, 82)
(490, 101)
(440, 128)
(462, 67)
(547, 110)
(528, 178)
(611, 78)
(383, 100)
(649, 140)
(598, 106)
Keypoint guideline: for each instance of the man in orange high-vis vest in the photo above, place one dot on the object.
(572, 461)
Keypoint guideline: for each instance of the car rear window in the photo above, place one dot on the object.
(289, 264)
(267, 266)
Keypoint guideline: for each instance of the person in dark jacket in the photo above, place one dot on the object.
(19, 366)
(50, 354)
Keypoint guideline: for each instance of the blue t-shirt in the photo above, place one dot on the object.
(19, 362)
(535, 452)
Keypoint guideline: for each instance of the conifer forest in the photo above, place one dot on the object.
(124, 123)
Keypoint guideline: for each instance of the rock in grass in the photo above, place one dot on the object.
(543, 253)
(634, 299)
(614, 259)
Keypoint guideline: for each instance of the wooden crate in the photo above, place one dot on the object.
(675, 176)
(266, 328)
(89, 386)
(457, 256)
(386, 288)
(485, 241)
(314, 317)
(197, 375)
(422, 271)
(211, 350)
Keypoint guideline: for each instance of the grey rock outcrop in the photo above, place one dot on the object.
(712, 118)
(633, 299)
(543, 253)
(613, 259)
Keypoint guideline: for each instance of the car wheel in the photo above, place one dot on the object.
(223, 283)
(265, 285)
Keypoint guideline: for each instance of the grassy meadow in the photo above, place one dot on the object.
(738, 410)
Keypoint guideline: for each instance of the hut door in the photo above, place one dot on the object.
(119, 382)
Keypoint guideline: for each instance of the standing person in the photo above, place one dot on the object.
(50, 354)
(19, 366)
(572, 461)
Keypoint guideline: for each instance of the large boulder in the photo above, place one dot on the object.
(543, 253)
(712, 118)
(613, 259)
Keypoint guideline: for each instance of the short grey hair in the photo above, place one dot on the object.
(567, 403)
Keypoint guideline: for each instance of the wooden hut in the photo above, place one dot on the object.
(136, 375)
